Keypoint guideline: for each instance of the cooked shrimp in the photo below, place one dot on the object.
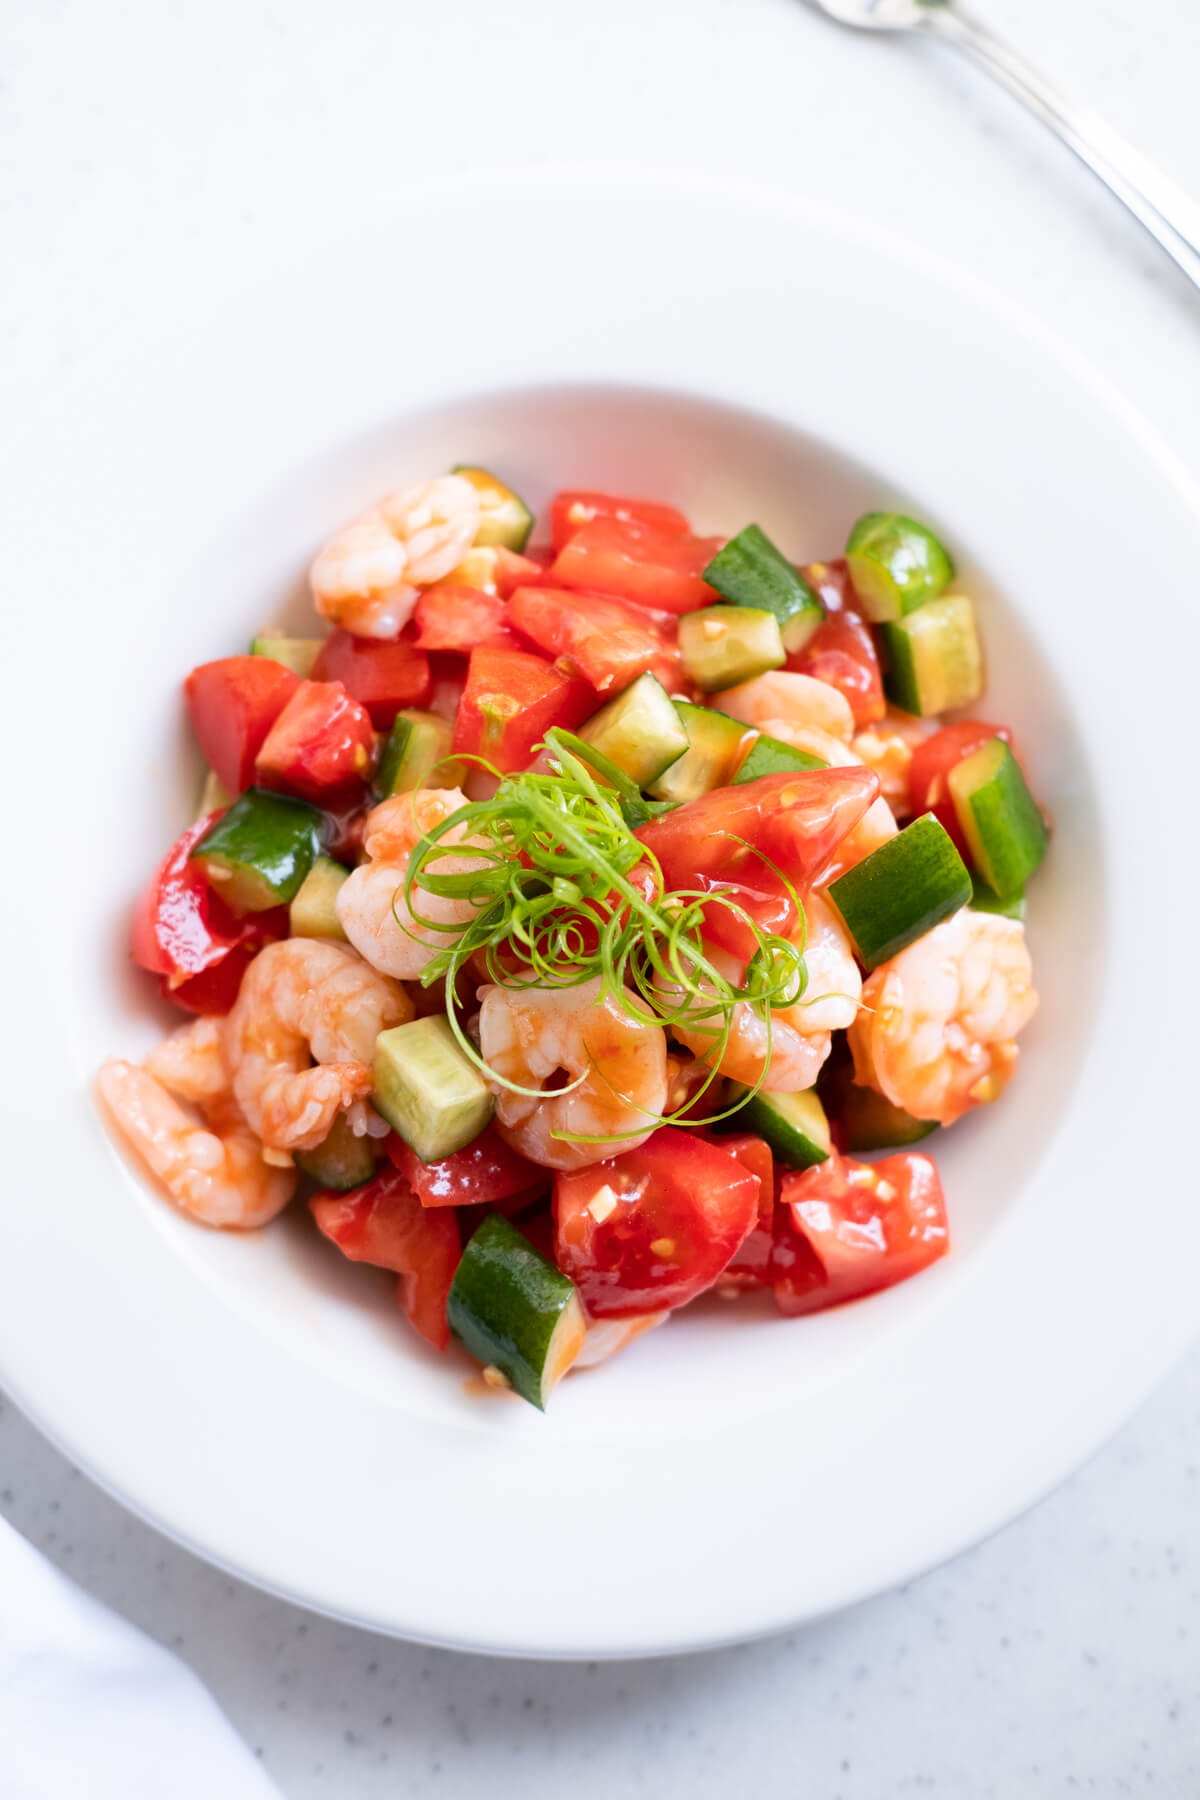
(215, 1172)
(536, 1036)
(301, 1037)
(798, 699)
(936, 1030)
(367, 577)
(887, 745)
(372, 907)
(191, 1063)
(800, 1036)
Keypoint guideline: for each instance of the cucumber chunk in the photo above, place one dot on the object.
(722, 646)
(504, 517)
(984, 899)
(866, 1121)
(415, 755)
(768, 756)
(313, 912)
(295, 653)
(901, 891)
(750, 571)
(640, 730)
(342, 1160)
(794, 1125)
(934, 657)
(427, 1089)
(512, 1310)
(998, 815)
(896, 565)
(259, 853)
(715, 743)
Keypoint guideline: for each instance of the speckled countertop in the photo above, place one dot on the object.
(1062, 1657)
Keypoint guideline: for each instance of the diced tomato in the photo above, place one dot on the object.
(459, 618)
(842, 650)
(750, 1264)
(233, 704)
(608, 641)
(796, 821)
(637, 562)
(322, 745)
(932, 761)
(383, 677)
(513, 571)
(216, 989)
(537, 1224)
(486, 1171)
(385, 1224)
(572, 508)
(181, 929)
(510, 702)
(845, 1229)
(754, 1153)
(681, 1207)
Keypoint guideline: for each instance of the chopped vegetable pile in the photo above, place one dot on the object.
(571, 922)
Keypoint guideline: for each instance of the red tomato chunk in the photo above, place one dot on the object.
(608, 641)
(385, 678)
(184, 932)
(510, 702)
(574, 507)
(385, 1224)
(459, 618)
(321, 746)
(233, 704)
(796, 821)
(485, 1172)
(846, 1229)
(637, 562)
(842, 650)
(651, 1229)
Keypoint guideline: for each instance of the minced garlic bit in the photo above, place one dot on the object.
(496, 1378)
(713, 628)
(886, 1190)
(602, 1204)
(663, 1246)
(862, 1177)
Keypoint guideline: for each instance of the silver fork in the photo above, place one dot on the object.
(1165, 211)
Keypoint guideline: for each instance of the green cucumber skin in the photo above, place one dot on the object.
(416, 744)
(269, 841)
(750, 571)
(896, 565)
(791, 1140)
(714, 744)
(901, 890)
(342, 1161)
(933, 659)
(866, 1121)
(505, 1304)
(768, 756)
(983, 899)
(999, 818)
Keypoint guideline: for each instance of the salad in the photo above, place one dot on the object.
(570, 924)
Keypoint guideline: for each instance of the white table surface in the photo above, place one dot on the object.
(142, 139)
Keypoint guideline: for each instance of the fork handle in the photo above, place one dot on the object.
(1162, 208)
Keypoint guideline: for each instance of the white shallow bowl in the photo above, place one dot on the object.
(260, 1399)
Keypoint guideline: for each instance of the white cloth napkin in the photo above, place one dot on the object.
(90, 1707)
